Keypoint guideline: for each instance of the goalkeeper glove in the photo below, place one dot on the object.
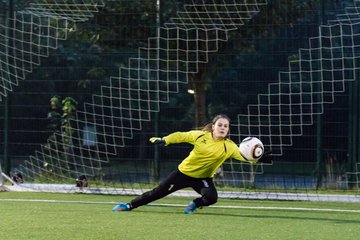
(159, 141)
(266, 158)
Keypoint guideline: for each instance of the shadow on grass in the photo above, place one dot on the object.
(200, 212)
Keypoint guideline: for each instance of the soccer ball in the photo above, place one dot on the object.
(251, 148)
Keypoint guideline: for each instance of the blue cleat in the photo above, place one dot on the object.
(190, 209)
(122, 207)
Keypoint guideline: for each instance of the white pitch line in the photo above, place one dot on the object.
(182, 205)
(52, 201)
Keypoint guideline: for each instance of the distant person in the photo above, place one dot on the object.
(18, 178)
(212, 147)
(82, 181)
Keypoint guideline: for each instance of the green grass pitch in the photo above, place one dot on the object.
(40, 216)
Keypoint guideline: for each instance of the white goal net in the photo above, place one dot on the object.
(122, 106)
(182, 44)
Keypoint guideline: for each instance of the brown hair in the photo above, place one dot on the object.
(208, 127)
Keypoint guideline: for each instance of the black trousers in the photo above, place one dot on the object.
(176, 181)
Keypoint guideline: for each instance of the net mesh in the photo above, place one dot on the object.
(183, 43)
(130, 98)
(312, 80)
(30, 34)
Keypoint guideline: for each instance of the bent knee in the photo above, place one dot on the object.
(209, 197)
(209, 200)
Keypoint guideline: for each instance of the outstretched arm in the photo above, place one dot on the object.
(159, 141)
(266, 158)
(177, 137)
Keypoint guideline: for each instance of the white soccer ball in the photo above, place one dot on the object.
(251, 148)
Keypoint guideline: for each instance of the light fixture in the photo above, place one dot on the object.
(191, 91)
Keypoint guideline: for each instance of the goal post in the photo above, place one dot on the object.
(1, 178)
(2, 188)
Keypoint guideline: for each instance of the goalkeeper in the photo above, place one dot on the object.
(212, 147)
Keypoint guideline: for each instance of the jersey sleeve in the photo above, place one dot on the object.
(236, 153)
(183, 137)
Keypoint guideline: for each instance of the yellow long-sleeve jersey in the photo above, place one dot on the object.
(207, 155)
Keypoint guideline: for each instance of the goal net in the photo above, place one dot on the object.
(89, 141)
(29, 35)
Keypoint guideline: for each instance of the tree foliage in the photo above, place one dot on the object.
(95, 52)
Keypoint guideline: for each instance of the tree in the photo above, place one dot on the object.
(124, 26)
(277, 14)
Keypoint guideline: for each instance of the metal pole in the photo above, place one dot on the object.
(319, 120)
(6, 159)
(6, 135)
(356, 145)
(156, 174)
(354, 131)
